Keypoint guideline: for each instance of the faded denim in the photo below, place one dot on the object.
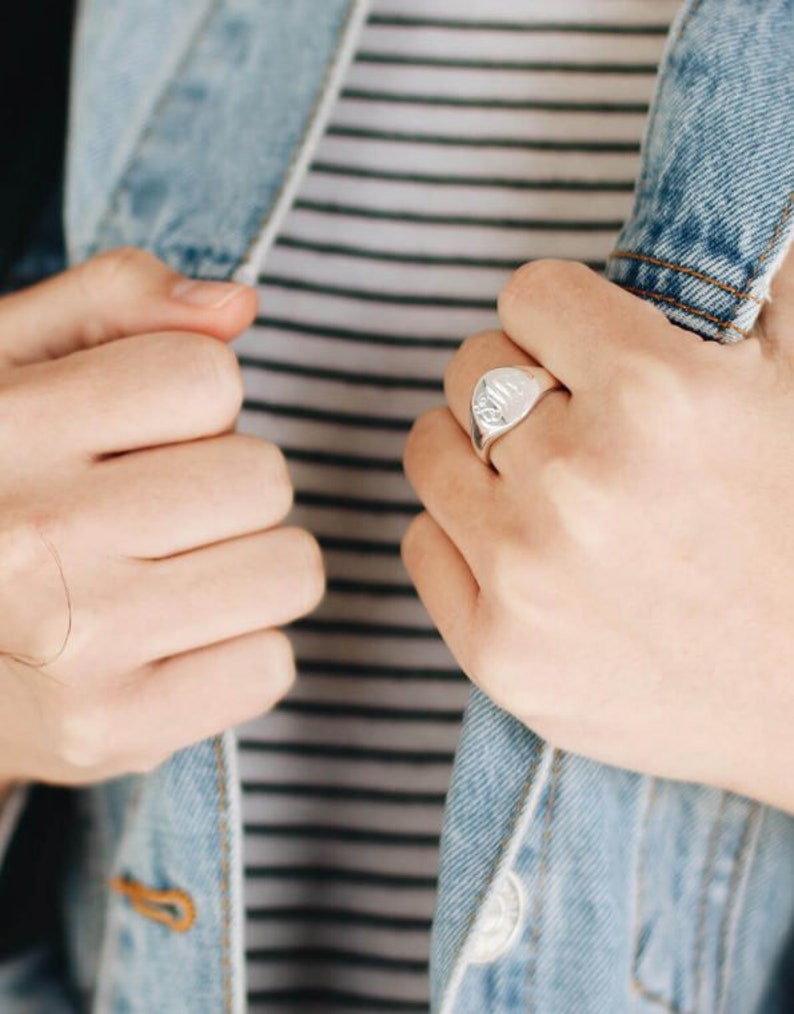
(642, 894)
(629, 894)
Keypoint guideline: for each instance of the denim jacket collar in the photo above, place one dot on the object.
(195, 149)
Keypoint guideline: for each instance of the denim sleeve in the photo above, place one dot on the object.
(714, 208)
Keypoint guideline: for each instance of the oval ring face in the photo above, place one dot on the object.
(502, 398)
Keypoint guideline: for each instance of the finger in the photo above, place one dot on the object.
(452, 483)
(213, 594)
(139, 392)
(114, 295)
(191, 697)
(444, 583)
(157, 503)
(582, 328)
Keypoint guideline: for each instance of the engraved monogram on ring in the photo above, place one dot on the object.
(502, 398)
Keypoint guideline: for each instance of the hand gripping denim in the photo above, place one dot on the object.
(567, 887)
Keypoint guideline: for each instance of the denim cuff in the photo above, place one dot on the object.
(714, 210)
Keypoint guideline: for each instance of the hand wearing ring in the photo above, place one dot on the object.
(620, 578)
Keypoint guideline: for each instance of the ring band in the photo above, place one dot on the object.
(503, 398)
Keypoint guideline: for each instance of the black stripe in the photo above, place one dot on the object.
(380, 589)
(541, 66)
(554, 27)
(497, 182)
(344, 792)
(348, 917)
(334, 956)
(367, 547)
(480, 141)
(440, 260)
(322, 667)
(344, 834)
(335, 751)
(356, 503)
(483, 102)
(332, 874)
(343, 460)
(368, 295)
(342, 376)
(332, 999)
(328, 709)
(351, 335)
(541, 224)
(328, 416)
(366, 629)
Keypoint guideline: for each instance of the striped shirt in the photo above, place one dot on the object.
(466, 140)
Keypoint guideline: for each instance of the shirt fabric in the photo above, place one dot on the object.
(462, 144)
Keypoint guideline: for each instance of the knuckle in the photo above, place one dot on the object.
(509, 580)
(420, 433)
(310, 568)
(265, 464)
(214, 374)
(280, 659)
(536, 278)
(113, 267)
(279, 482)
(470, 348)
(34, 607)
(653, 394)
(412, 539)
(82, 736)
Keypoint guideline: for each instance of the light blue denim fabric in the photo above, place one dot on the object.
(628, 894)
(641, 894)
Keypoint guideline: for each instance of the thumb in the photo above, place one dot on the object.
(776, 321)
(115, 295)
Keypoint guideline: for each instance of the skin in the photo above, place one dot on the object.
(121, 481)
(621, 580)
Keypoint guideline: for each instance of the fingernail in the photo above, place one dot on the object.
(210, 295)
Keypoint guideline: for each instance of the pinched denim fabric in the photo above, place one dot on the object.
(567, 887)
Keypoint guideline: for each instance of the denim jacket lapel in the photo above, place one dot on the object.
(182, 142)
(712, 220)
(191, 121)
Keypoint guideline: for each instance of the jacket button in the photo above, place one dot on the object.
(500, 921)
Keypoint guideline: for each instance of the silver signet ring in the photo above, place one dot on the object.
(502, 398)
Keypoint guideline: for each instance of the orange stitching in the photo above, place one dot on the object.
(172, 908)
(628, 255)
(723, 324)
(226, 963)
(656, 998)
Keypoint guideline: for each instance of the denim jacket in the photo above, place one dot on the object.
(566, 886)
